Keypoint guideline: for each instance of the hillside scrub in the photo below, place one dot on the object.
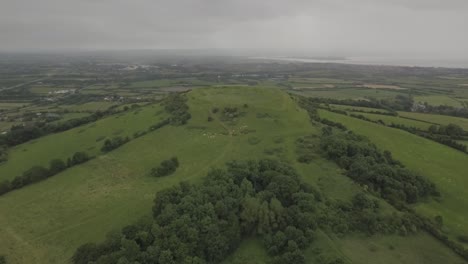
(365, 164)
(176, 105)
(111, 144)
(167, 167)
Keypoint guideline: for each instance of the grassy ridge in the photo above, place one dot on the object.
(446, 167)
(45, 222)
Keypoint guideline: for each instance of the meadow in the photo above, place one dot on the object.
(76, 205)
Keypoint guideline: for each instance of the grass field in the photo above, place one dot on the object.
(420, 248)
(438, 100)
(349, 93)
(388, 120)
(76, 205)
(8, 106)
(438, 119)
(88, 138)
(357, 108)
(45, 222)
(443, 165)
(91, 106)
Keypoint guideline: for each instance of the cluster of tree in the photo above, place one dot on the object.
(166, 167)
(22, 133)
(230, 113)
(311, 106)
(3, 259)
(451, 130)
(365, 164)
(363, 214)
(39, 173)
(160, 124)
(176, 105)
(399, 103)
(3, 154)
(444, 110)
(111, 144)
(204, 223)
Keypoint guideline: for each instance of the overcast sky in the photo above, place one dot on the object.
(328, 27)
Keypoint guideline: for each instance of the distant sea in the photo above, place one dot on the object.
(391, 61)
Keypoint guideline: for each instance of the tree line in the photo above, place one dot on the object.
(22, 133)
(40, 173)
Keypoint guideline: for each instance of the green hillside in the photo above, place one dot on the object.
(443, 165)
(45, 222)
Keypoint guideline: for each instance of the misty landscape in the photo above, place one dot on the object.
(233, 132)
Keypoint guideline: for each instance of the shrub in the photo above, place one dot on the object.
(167, 167)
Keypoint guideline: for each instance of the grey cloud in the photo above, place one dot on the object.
(316, 26)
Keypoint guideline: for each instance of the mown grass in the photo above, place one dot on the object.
(443, 165)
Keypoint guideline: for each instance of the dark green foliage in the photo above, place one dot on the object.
(204, 223)
(56, 166)
(3, 260)
(3, 154)
(305, 149)
(210, 119)
(34, 174)
(176, 105)
(167, 167)
(230, 113)
(77, 158)
(5, 187)
(365, 164)
(111, 144)
(463, 239)
(160, 124)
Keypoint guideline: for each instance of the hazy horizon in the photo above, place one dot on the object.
(420, 28)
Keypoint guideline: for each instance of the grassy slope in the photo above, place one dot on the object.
(445, 166)
(438, 119)
(45, 222)
(83, 138)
